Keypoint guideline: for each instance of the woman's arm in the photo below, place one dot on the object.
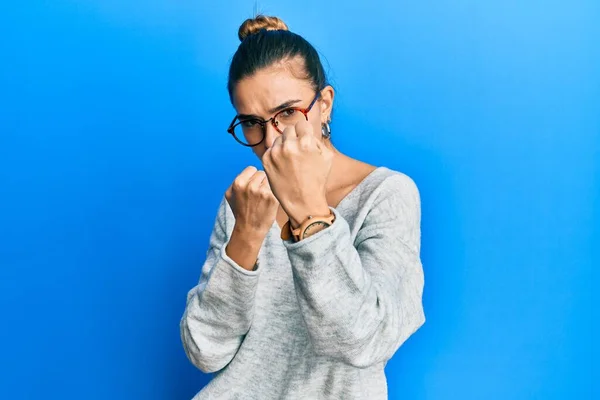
(220, 308)
(362, 300)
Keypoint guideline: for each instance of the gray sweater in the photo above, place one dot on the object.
(319, 318)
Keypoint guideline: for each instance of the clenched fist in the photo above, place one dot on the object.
(252, 201)
(298, 166)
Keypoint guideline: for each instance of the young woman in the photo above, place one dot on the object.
(313, 277)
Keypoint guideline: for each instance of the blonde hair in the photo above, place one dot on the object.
(258, 23)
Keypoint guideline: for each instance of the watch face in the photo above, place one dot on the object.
(315, 226)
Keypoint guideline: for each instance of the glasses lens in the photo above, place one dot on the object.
(289, 117)
(249, 133)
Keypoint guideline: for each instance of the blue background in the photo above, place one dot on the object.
(114, 156)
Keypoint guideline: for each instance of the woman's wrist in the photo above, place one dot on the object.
(301, 214)
(244, 246)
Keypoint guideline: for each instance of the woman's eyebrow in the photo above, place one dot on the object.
(280, 107)
(287, 104)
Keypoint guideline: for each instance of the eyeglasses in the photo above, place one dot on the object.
(252, 131)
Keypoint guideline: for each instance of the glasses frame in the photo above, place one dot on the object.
(272, 120)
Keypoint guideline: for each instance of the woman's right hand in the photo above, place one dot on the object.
(252, 201)
(255, 208)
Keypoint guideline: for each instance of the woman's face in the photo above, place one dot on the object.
(274, 88)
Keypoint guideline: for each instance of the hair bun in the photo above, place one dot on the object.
(254, 25)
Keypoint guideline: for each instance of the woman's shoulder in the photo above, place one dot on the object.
(383, 182)
(389, 198)
(394, 181)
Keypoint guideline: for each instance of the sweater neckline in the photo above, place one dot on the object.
(350, 194)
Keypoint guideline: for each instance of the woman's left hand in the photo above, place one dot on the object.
(297, 166)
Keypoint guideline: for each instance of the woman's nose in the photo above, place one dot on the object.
(270, 135)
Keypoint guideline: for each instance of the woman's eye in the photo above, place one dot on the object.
(288, 113)
(249, 123)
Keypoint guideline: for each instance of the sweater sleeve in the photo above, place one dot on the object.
(361, 300)
(219, 310)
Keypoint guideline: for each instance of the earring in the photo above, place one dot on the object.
(325, 130)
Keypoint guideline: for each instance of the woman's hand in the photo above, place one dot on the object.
(298, 166)
(252, 201)
(255, 208)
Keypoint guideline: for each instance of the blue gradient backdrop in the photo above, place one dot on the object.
(114, 155)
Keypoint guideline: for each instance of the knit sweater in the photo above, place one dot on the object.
(318, 318)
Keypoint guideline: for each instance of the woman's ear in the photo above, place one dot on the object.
(327, 96)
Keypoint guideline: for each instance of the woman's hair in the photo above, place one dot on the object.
(267, 40)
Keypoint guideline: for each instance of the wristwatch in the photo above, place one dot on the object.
(305, 229)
